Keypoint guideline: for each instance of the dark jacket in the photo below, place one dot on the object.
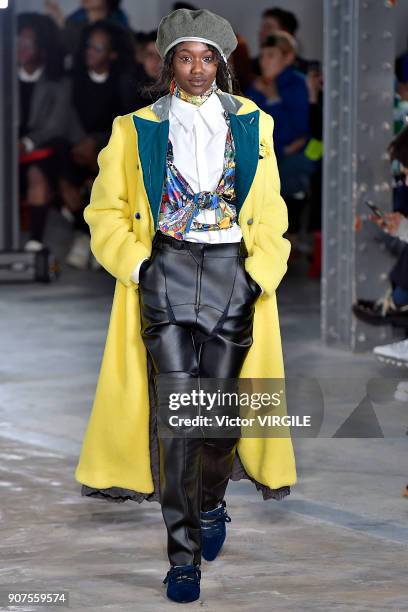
(291, 112)
(48, 111)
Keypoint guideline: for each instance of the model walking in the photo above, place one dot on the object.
(186, 214)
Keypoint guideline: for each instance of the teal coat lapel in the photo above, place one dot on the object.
(152, 144)
(152, 139)
(245, 132)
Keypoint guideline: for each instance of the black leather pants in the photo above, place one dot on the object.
(196, 304)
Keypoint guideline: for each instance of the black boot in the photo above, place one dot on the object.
(180, 473)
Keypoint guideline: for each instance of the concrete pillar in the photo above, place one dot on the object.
(358, 126)
(9, 209)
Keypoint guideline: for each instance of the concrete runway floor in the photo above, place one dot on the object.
(338, 542)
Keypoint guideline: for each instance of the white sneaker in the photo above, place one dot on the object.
(401, 392)
(395, 353)
(78, 256)
(33, 245)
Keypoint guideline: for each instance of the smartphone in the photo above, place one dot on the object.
(377, 211)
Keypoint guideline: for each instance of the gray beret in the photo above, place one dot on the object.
(201, 26)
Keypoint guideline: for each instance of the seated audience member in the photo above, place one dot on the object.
(401, 67)
(396, 224)
(314, 151)
(278, 20)
(140, 75)
(104, 53)
(89, 12)
(400, 189)
(282, 92)
(392, 308)
(241, 63)
(42, 114)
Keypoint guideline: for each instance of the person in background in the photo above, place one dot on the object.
(240, 61)
(401, 67)
(42, 113)
(314, 152)
(278, 20)
(105, 52)
(396, 224)
(400, 189)
(282, 92)
(392, 308)
(89, 12)
(134, 94)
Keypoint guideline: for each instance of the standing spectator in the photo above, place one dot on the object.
(42, 113)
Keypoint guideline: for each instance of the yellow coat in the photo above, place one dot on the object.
(117, 449)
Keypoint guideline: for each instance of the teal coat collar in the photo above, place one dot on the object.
(152, 145)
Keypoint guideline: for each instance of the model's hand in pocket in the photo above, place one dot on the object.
(139, 269)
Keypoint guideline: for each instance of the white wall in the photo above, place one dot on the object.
(244, 16)
(143, 14)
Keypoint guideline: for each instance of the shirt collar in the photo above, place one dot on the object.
(25, 76)
(97, 77)
(211, 111)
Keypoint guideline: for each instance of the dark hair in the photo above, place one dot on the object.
(149, 37)
(398, 147)
(183, 5)
(162, 85)
(47, 41)
(113, 5)
(287, 20)
(120, 38)
(283, 40)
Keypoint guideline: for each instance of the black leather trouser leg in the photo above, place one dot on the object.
(196, 304)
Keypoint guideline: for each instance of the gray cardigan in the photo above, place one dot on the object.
(49, 111)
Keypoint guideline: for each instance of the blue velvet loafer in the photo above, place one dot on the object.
(213, 531)
(183, 583)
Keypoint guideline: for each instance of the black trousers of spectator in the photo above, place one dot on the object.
(399, 273)
(196, 305)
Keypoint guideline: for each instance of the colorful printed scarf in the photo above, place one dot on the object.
(198, 100)
(180, 205)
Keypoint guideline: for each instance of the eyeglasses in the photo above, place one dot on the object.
(98, 47)
(26, 43)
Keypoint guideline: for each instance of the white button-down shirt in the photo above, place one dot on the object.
(201, 130)
(198, 135)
